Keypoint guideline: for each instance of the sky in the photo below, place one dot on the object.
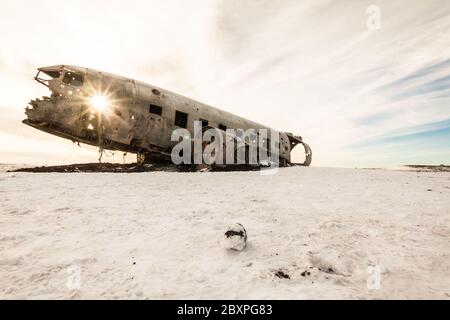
(365, 83)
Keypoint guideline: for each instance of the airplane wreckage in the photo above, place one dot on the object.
(120, 114)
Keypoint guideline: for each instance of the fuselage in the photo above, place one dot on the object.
(135, 116)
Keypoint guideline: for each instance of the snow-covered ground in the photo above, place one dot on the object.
(312, 233)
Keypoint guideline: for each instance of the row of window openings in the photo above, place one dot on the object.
(181, 117)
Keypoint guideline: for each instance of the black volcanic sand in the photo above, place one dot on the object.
(130, 167)
(419, 167)
(169, 167)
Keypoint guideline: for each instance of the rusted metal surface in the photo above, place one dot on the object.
(140, 117)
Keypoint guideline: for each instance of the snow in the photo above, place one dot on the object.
(312, 233)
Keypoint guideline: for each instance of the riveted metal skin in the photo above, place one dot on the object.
(140, 117)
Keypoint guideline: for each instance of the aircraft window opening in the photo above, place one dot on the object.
(155, 109)
(53, 74)
(72, 78)
(204, 122)
(223, 127)
(44, 77)
(267, 144)
(181, 119)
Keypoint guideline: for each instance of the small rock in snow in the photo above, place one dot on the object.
(235, 238)
(282, 274)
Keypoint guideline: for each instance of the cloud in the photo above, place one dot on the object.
(315, 69)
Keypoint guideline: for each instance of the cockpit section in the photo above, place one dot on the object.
(82, 105)
(61, 80)
(66, 100)
(44, 76)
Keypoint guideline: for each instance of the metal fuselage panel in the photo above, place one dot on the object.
(127, 124)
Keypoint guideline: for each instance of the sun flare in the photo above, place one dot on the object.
(100, 103)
